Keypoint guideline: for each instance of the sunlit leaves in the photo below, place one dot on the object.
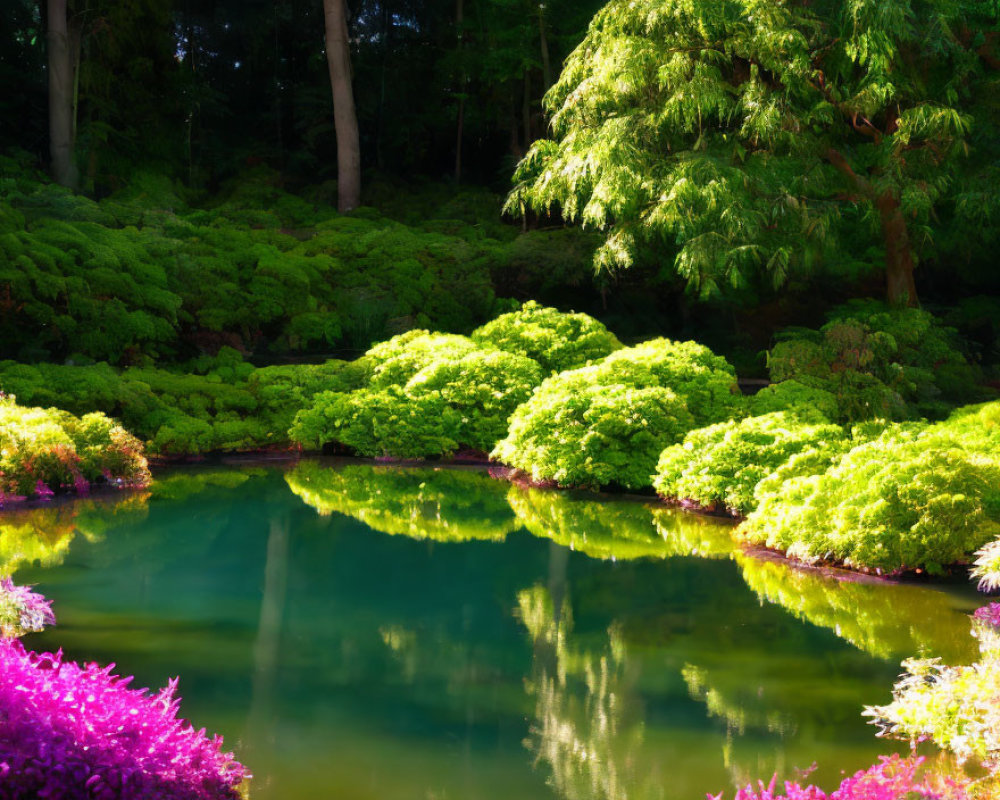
(706, 124)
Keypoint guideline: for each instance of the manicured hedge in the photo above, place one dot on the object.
(719, 467)
(606, 424)
(556, 340)
(914, 497)
(426, 395)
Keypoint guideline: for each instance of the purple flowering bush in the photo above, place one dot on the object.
(71, 731)
(22, 610)
(892, 778)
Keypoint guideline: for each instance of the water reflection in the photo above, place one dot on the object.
(586, 730)
(260, 731)
(634, 648)
(890, 621)
(616, 529)
(443, 505)
(41, 536)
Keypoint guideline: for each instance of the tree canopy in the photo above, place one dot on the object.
(769, 136)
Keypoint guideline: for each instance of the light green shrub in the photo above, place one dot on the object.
(62, 451)
(426, 395)
(379, 422)
(809, 403)
(556, 340)
(909, 499)
(720, 466)
(394, 362)
(484, 387)
(607, 423)
(705, 381)
(578, 430)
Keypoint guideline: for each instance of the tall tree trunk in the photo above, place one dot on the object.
(61, 144)
(345, 119)
(901, 289)
(543, 39)
(459, 21)
(526, 109)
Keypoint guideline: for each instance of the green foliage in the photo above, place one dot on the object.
(50, 449)
(762, 138)
(231, 407)
(438, 505)
(426, 395)
(383, 422)
(705, 381)
(556, 340)
(793, 397)
(720, 466)
(911, 498)
(144, 275)
(578, 431)
(876, 362)
(484, 387)
(607, 423)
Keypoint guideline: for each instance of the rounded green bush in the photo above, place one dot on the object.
(607, 423)
(379, 422)
(422, 395)
(556, 340)
(911, 498)
(485, 387)
(806, 402)
(705, 381)
(51, 449)
(395, 361)
(721, 465)
(451, 396)
(578, 430)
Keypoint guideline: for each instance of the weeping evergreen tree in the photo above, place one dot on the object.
(761, 135)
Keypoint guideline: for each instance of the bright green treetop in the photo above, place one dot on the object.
(755, 134)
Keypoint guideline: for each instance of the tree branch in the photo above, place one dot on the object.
(839, 163)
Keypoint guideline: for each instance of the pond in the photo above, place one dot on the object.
(359, 631)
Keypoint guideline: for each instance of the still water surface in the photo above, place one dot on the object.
(358, 631)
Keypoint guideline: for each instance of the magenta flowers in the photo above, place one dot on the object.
(988, 615)
(72, 731)
(892, 778)
(22, 610)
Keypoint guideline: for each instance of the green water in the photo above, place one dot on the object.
(372, 632)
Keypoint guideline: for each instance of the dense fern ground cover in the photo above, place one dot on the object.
(145, 276)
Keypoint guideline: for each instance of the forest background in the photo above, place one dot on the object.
(219, 115)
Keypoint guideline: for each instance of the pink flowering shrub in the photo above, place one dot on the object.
(71, 731)
(892, 778)
(988, 615)
(22, 610)
(44, 450)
